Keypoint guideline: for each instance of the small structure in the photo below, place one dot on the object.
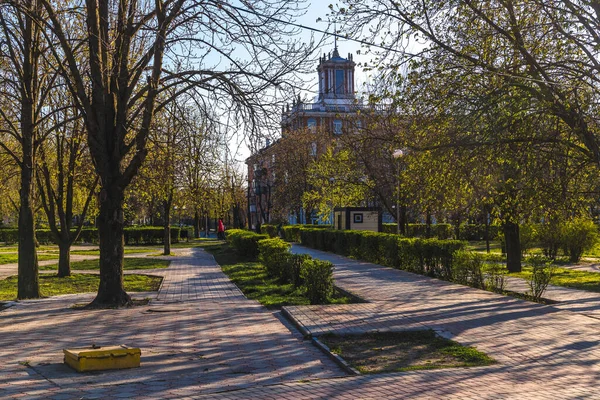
(98, 358)
(357, 219)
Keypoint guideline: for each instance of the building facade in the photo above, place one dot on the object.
(332, 112)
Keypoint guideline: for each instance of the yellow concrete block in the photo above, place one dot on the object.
(102, 358)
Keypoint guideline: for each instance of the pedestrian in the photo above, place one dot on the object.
(221, 230)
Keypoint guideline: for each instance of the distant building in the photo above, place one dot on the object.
(333, 111)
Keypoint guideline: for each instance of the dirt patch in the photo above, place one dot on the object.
(402, 351)
(134, 303)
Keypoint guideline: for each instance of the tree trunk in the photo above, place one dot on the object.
(513, 246)
(196, 224)
(403, 221)
(28, 281)
(167, 225)
(64, 259)
(487, 232)
(110, 231)
(456, 221)
(428, 225)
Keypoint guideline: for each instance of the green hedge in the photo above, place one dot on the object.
(132, 235)
(446, 231)
(318, 280)
(300, 269)
(432, 257)
(273, 253)
(267, 229)
(245, 242)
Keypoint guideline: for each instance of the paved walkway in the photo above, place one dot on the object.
(202, 339)
(543, 352)
(200, 335)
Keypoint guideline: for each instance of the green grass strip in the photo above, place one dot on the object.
(51, 285)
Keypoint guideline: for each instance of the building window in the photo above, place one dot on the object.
(339, 81)
(337, 126)
(312, 124)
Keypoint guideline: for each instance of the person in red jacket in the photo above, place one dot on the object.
(221, 230)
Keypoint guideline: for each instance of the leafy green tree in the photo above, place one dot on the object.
(335, 180)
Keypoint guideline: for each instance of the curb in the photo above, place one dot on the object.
(296, 323)
(336, 358)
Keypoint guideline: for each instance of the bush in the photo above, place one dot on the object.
(467, 269)
(578, 235)
(495, 272)
(549, 237)
(291, 233)
(295, 267)
(424, 256)
(440, 231)
(270, 230)
(318, 279)
(149, 235)
(274, 255)
(541, 274)
(244, 242)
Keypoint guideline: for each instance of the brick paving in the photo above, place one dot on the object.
(200, 335)
(201, 338)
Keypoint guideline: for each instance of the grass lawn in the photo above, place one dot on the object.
(51, 285)
(252, 279)
(403, 351)
(127, 250)
(480, 246)
(566, 277)
(128, 265)
(13, 258)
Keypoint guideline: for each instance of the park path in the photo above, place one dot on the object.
(198, 335)
(543, 352)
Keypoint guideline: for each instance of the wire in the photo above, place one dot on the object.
(310, 28)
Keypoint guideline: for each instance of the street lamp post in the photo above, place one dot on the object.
(398, 154)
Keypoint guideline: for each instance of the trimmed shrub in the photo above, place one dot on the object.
(291, 233)
(424, 256)
(467, 269)
(149, 235)
(274, 254)
(318, 279)
(244, 242)
(267, 229)
(295, 267)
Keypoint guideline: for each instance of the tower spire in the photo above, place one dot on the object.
(335, 49)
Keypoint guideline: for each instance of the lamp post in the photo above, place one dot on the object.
(398, 154)
(332, 215)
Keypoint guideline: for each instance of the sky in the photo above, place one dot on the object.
(316, 9)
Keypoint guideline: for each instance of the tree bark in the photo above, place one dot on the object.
(428, 225)
(110, 230)
(167, 226)
(28, 281)
(64, 258)
(513, 246)
(196, 224)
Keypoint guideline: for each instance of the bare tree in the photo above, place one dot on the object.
(135, 50)
(24, 85)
